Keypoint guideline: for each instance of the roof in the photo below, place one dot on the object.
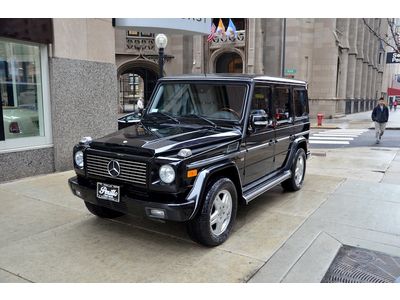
(233, 76)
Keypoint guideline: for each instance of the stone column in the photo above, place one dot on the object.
(351, 68)
(342, 27)
(360, 57)
(258, 66)
(198, 51)
(251, 43)
(364, 79)
(375, 61)
(371, 55)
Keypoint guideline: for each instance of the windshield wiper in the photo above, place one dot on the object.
(164, 114)
(202, 118)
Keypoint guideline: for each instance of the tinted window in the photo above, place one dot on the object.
(214, 101)
(281, 103)
(300, 103)
(261, 101)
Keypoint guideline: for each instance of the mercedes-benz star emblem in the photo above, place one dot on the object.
(113, 168)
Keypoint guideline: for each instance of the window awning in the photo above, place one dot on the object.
(393, 92)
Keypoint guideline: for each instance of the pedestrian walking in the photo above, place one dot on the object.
(140, 105)
(390, 104)
(395, 104)
(380, 115)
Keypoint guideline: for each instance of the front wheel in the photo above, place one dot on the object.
(213, 224)
(295, 182)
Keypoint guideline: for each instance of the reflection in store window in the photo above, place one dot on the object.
(21, 90)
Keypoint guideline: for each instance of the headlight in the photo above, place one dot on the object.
(79, 159)
(167, 173)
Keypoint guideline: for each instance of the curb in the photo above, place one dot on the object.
(325, 127)
(387, 128)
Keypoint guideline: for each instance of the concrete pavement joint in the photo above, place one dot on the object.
(16, 275)
(43, 201)
(55, 228)
(366, 228)
(179, 238)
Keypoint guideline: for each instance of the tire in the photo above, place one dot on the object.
(103, 212)
(220, 206)
(295, 182)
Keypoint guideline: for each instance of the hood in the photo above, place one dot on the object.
(153, 140)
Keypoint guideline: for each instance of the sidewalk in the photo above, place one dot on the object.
(350, 197)
(363, 212)
(357, 121)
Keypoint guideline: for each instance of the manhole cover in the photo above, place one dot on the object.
(357, 265)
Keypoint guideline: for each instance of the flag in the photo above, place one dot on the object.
(221, 28)
(231, 30)
(212, 33)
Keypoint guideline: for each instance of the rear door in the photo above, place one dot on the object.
(283, 119)
(259, 159)
(301, 110)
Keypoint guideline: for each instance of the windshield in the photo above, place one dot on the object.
(213, 101)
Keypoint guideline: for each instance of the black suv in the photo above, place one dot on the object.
(205, 144)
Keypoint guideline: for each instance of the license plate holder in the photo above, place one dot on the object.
(108, 192)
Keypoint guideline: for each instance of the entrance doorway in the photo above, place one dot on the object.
(135, 84)
(229, 63)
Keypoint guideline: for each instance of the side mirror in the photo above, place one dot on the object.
(259, 121)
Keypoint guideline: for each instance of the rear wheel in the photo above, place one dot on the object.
(213, 224)
(295, 182)
(102, 212)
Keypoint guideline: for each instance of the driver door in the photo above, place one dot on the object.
(259, 160)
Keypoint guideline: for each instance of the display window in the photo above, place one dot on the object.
(24, 113)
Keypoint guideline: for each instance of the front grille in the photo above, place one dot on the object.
(130, 171)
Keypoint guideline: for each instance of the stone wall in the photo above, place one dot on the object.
(84, 103)
(26, 163)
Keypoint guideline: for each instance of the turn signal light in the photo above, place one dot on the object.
(192, 173)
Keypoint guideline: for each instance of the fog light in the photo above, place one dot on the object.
(157, 213)
(78, 193)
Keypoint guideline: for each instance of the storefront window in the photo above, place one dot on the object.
(21, 90)
(25, 121)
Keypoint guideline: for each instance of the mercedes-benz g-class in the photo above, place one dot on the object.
(205, 144)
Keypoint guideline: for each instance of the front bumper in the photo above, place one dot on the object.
(172, 211)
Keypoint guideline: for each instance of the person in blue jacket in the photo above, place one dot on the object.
(380, 115)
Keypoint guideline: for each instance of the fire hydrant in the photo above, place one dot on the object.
(319, 119)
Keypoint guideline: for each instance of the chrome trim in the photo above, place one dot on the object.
(168, 158)
(215, 159)
(130, 171)
(286, 175)
(302, 133)
(282, 139)
(267, 144)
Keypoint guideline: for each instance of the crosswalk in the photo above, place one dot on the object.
(336, 136)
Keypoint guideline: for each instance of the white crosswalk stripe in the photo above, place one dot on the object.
(336, 136)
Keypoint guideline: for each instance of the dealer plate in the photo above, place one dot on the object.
(108, 192)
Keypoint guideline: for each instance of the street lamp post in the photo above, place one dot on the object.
(161, 43)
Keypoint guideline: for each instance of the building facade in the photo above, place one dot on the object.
(343, 60)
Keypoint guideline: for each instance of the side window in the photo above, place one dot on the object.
(281, 103)
(300, 102)
(261, 101)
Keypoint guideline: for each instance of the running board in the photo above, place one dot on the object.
(258, 190)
